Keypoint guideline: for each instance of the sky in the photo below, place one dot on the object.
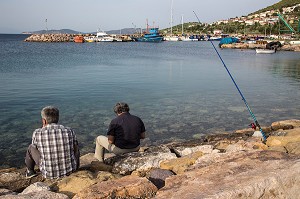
(86, 16)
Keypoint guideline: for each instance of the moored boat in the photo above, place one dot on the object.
(78, 39)
(171, 38)
(190, 38)
(102, 36)
(89, 39)
(297, 42)
(152, 36)
(265, 51)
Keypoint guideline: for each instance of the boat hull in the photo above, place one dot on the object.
(152, 36)
(79, 39)
(265, 51)
(149, 39)
(171, 38)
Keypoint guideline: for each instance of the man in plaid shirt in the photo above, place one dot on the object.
(54, 148)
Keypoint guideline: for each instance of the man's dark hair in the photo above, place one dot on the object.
(121, 107)
(50, 114)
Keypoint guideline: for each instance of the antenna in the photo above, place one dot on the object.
(46, 25)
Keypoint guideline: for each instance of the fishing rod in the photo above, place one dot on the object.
(255, 124)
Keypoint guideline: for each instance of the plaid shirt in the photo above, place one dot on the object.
(56, 146)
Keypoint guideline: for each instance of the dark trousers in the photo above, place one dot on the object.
(32, 158)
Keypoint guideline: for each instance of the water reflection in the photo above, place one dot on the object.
(288, 68)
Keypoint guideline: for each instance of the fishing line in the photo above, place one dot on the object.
(255, 124)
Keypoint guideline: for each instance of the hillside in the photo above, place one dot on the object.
(279, 5)
(61, 31)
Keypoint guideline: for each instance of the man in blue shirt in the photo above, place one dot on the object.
(124, 133)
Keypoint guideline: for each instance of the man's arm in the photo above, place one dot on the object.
(143, 135)
(111, 139)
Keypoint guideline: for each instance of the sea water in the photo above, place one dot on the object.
(180, 90)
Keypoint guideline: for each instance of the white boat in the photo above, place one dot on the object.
(103, 37)
(116, 38)
(171, 38)
(265, 51)
(217, 38)
(297, 42)
(186, 37)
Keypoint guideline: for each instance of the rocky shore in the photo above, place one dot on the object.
(228, 165)
(285, 47)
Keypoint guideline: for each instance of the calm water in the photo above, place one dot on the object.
(181, 90)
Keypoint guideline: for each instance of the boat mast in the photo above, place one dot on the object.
(171, 18)
(147, 26)
(46, 26)
(182, 25)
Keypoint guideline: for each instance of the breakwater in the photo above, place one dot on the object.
(50, 38)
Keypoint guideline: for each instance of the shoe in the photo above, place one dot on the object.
(30, 174)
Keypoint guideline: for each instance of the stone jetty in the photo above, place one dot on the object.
(50, 38)
(228, 165)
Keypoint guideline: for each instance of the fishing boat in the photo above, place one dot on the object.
(152, 36)
(78, 39)
(265, 51)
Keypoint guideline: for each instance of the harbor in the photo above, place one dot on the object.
(180, 89)
(253, 42)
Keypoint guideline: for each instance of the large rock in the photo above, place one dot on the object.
(255, 174)
(158, 177)
(142, 162)
(281, 140)
(293, 147)
(180, 165)
(15, 180)
(76, 182)
(6, 192)
(80, 180)
(37, 195)
(182, 151)
(126, 187)
(35, 187)
(253, 143)
(286, 124)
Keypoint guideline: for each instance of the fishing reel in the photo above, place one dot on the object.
(253, 126)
